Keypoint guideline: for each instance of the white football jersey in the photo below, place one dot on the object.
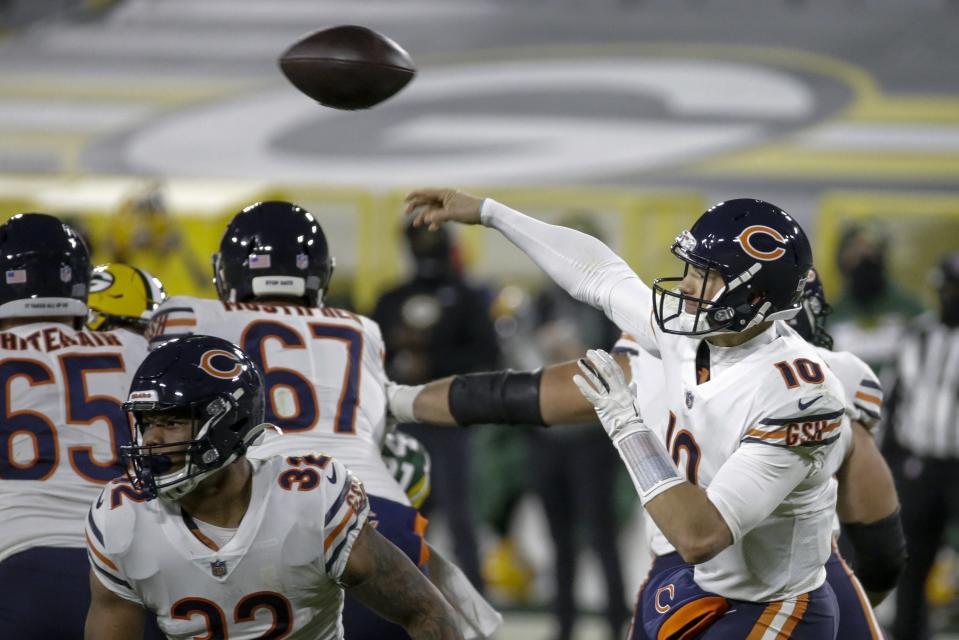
(276, 577)
(63, 425)
(324, 376)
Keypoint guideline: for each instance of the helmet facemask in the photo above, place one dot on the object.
(154, 468)
(733, 308)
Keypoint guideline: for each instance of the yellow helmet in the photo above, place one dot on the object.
(122, 296)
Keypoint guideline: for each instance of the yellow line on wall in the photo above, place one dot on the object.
(785, 161)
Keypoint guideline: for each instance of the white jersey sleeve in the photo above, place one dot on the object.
(109, 533)
(347, 508)
(863, 390)
(582, 265)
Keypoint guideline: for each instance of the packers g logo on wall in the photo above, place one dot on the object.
(213, 361)
(745, 240)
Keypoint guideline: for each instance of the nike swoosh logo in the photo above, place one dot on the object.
(333, 478)
(805, 405)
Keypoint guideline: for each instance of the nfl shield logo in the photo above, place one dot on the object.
(66, 273)
(218, 568)
(689, 399)
(302, 261)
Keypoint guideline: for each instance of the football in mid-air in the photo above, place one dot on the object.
(347, 67)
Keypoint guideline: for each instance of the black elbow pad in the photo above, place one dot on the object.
(880, 550)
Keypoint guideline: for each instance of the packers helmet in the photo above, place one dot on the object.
(122, 296)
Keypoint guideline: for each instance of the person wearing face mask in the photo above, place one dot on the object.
(437, 324)
(872, 311)
(923, 445)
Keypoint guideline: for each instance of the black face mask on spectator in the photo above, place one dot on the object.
(432, 253)
(867, 278)
(945, 279)
(950, 307)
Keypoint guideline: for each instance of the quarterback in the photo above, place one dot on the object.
(219, 546)
(867, 502)
(758, 414)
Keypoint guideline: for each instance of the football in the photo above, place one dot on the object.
(347, 67)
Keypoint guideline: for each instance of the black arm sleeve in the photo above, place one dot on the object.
(500, 397)
(880, 550)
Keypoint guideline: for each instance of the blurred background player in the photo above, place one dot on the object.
(502, 459)
(144, 232)
(203, 530)
(922, 442)
(322, 367)
(60, 390)
(409, 462)
(122, 296)
(580, 507)
(436, 324)
(872, 311)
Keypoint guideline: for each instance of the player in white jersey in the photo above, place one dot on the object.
(760, 415)
(60, 393)
(323, 367)
(222, 547)
(868, 501)
(867, 495)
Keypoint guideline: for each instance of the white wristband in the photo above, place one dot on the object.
(648, 463)
(401, 398)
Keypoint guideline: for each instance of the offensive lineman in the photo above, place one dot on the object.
(62, 426)
(324, 377)
(760, 414)
(220, 546)
(867, 497)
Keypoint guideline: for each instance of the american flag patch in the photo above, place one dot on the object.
(260, 261)
(16, 276)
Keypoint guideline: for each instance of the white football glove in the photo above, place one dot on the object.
(649, 464)
(604, 385)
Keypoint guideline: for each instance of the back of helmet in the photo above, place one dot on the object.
(273, 251)
(45, 266)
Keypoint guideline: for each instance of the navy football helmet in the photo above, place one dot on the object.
(810, 322)
(46, 268)
(762, 256)
(273, 250)
(214, 384)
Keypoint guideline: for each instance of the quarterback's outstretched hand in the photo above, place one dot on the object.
(602, 383)
(438, 206)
